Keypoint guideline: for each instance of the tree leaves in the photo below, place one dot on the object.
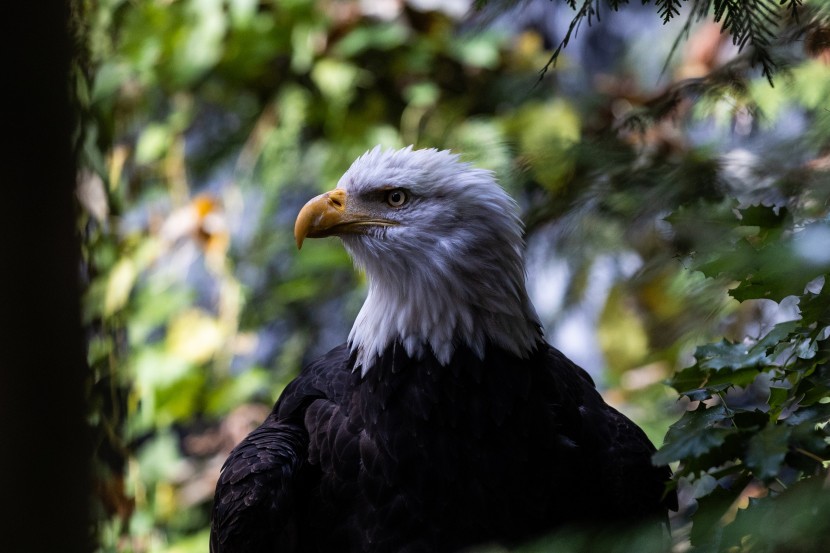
(767, 450)
(764, 401)
(772, 442)
(697, 433)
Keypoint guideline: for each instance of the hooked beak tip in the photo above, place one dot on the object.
(318, 215)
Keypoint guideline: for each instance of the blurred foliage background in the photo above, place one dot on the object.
(677, 223)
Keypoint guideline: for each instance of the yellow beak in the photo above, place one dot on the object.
(331, 213)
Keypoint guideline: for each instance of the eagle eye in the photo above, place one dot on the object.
(396, 197)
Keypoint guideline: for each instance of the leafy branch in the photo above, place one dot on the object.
(758, 414)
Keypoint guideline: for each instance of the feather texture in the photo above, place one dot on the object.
(452, 268)
(435, 458)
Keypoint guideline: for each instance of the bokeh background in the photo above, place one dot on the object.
(208, 123)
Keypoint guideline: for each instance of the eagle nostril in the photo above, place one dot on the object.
(336, 200)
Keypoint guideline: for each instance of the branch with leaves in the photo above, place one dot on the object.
(756, 25)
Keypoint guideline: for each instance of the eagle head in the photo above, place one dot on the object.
(441, 244)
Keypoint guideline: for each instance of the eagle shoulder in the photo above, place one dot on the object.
(617, 451)
(254, 503)
(263, 484)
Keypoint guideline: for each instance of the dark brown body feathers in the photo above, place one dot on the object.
(415, 456)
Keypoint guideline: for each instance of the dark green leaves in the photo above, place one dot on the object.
(761, 424)
(756, 247)
(724, 364)
(767, 450)
(695, 434)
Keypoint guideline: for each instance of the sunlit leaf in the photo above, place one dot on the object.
(545, 134)
(336, 79)
(159, 458)
(196, 543)
(194, 336)
(155, 369)
(422, 94)
(153, 143)
(382, 36)
(200, 45)
(621, 334)
(477, 51)
(237, 390)
(242, 11)
(119, 285)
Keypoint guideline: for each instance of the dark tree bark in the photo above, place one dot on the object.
(45, 451)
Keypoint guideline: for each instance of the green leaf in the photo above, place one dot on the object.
(816, 387)
(778, 399)
(196, 543)
(724, 364)
(795, 520)
(153, 143)
(779, 333)
(422, 94)
(699, 385)
(119, 285)
(198, 45)
(384, 36)
(816, 307)
(751, 420)
(767, 450)
(236, 391)
(335, 79)
(479, 50)
(158, 457)
(707, 528)
(695, 434)
(763, 216)
(724, 354)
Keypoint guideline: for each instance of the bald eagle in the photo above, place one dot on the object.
(445, 420)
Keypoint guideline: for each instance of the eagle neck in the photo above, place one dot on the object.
(434, 312)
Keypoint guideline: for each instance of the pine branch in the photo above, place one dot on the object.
(793, 6)
(682, 35)
(751, 22)
(586, 11)
(667, 9)
(616, 4)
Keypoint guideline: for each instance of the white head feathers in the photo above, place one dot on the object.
(450, 271)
